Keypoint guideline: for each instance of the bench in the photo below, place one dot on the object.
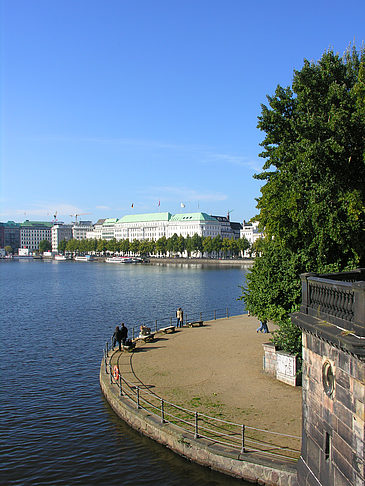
(146, 338)
(195, 324)
(167, 329)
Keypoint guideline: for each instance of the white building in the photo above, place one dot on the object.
(59, 233)
(96, 231)
(193, 223)
(80, 229)
(251, 232)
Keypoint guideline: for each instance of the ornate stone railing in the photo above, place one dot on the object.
(338, 298)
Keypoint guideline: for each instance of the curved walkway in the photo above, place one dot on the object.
(214, 371)
(217, 369)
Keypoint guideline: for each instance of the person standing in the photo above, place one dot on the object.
(124, 333)
(117, 337)
(178, 317)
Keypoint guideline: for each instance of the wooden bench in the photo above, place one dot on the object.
(147, 338)
(167, 329)
(195, 324)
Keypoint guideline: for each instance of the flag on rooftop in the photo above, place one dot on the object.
(132, 205)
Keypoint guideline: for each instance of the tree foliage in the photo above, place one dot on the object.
(312, 202)
(45, 245)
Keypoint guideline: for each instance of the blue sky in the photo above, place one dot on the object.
(105, 104)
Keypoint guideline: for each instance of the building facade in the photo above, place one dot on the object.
(33, 232)
(60, 232)
(10, 235)
(81, 229)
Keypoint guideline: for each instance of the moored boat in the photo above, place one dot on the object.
(61, 258)
(118, 260)
(86, 258)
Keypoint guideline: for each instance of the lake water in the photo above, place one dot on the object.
(56, 427)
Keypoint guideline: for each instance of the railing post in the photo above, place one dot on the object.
(243, 440)
(215, 315)
(120, 384)
(156, 325)
(132, 332)
(170, 321)
(111, 374)
(162, 412)
(227, 311)
(107, 349)
(201, 316)
(105, 363)
(138, 397)
(196, 435)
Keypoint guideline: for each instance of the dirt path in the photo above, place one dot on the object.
(217, 369)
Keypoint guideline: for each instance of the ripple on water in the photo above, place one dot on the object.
(56, 426)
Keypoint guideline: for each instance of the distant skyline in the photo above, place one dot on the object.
(109, 104)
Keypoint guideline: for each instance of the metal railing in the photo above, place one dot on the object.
(237, 437)
(188, 316)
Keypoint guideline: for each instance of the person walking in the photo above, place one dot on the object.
(263, 326)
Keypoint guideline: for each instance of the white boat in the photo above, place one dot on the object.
(60, 258)
(86, 258)
(118, 260)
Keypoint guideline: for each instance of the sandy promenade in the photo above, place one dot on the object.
(217, 369)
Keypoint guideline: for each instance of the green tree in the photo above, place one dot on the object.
(135, 247)
(124, 246)
(172, 244)
(180, 244)
(243, 245)
(8, 249)
(217, 244)
(45, 245)
(312, 201)
(62, 246)
(161, 245)
(188, 245)
(207, 245)
(197, 243)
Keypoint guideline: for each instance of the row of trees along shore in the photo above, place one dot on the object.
(312, 204)
(173, 245)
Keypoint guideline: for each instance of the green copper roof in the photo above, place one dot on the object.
(110, 221)
(28, 223)
(193, 217)
(143, 218)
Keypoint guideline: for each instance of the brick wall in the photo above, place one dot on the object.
(333, 421)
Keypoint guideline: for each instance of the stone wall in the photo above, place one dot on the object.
(333, 416)
(254, 468)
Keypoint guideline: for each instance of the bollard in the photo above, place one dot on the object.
(196, 435)
(138, 397)
(243, 439)
(162, 412)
